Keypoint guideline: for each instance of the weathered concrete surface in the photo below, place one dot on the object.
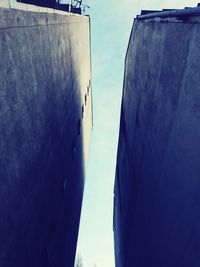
(157, 190)
(44, 80)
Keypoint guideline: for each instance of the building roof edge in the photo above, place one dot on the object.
(187, 12)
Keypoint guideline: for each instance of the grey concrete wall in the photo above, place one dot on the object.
(157, 189)
(45, 124)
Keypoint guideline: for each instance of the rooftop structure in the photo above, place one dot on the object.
(74, 6)
(181, 14)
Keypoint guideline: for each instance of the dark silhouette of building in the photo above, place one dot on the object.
(156, 210)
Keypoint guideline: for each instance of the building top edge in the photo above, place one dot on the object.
(169, 13)
(33, 8)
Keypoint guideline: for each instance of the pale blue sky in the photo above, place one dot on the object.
(111, 26)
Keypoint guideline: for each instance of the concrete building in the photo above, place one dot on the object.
(157, 187)
(45, 125)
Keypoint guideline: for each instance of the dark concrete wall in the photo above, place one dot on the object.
(157, 189)
(45, 124)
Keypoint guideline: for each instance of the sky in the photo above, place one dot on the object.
(111, 26)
